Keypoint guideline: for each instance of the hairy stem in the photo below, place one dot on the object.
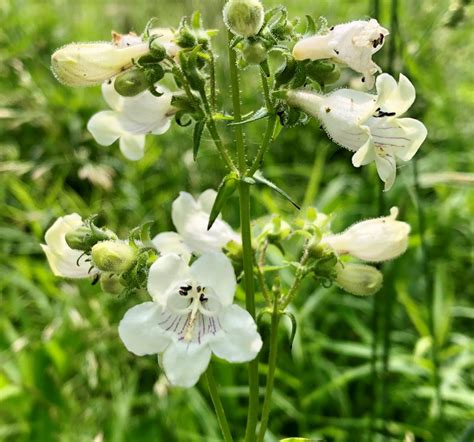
(272, 358)
(244, 192)
(220, 413)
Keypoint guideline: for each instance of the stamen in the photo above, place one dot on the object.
(188, 333)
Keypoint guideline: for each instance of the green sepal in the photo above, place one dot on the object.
(257, 115)
(224, 192)
(286, 71)
(262, 180)
(141, 233)
(265, 68)
(292, 318)
(196, 20)
(197, 135)
(179, 119)
(310, 26)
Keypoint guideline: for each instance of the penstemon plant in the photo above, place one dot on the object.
(191, 275)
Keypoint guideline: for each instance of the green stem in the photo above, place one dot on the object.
(316, 175)
(213, 81)
(266, 91)
(439, 411)
(272, 358)
(211, 127)
(220, 413)
(247, 252)
(267, 139)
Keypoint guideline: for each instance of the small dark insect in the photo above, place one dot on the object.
(362, 79)
(328, 109)
(336, 51)
(331, 28)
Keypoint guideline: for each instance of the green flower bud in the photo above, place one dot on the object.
(186, 38)
(110, 283)
(113, 256)
(244, 17)
(157, 50)
(323, 72)
(85, 236)
(154, 74)
(131, 83)
(254, 52)
(359, 279)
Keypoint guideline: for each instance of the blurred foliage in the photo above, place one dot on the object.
(64, 374)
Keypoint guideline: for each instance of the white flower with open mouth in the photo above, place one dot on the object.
(63, 260)
(191, 317)
(190, 217)
(352, 44)
(130, 119)
(372, 240)
(367, 124)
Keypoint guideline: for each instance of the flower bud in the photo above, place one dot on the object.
(322, 71)
(131, 83)
(110, 283)
(157, 50)
(359, 279)
(85, 236)
(88, 64)
(113, 256)
(254, 52)
(244, 17)
(374, 240)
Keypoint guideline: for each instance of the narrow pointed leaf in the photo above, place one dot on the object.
(262, 180)
(310, 26)
(224, 192)
(257, 115)
(197, 135)
(292, 318)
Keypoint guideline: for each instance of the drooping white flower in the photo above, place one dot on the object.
(352, 44)
(373, 240)
(89, 64)
(130, 119)
(191, 316)
(367, 124)
(63, 260)
(190, 217)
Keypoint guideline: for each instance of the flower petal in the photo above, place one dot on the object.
(393, 97)
(215, 270)
(416, 132)
(111, 96)
(65, 264)
(165, 276)
(140, 331)
(105, 127)
(55, 236)
(206, 200)
(365, 155)
(171, 242)
(386, 169)
(241, 341)
(132, 146)
(180, 210)
(185, 362)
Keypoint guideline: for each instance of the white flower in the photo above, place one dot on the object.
(191, 217)
(63, 260)
(368, 124)
(190, 317)
(88, 64)
(358, 279)
(373, 240)
(130, 119)
(352, 44)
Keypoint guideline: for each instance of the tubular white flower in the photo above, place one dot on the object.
(359, 279)
(367, 124)
(373, 240)
(352, 44)
(191, 316)
(191, 217)
(89, 64)
(63, 260)
(130, 119)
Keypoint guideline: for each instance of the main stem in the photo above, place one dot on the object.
(244, 192)
(220, 413)
(272, 358)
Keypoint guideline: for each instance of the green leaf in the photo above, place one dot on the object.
(224, 192)
(262, 180)
(197, 135)
(310, 26)
(196, 20)
(292, 318)
(257, 115)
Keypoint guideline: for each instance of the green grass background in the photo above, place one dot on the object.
(64, 374)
